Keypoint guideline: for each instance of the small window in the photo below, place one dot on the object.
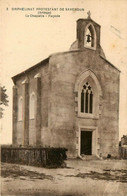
(87, 99)
(32, 106)
(20, 109)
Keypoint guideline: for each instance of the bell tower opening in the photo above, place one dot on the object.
(90, 36)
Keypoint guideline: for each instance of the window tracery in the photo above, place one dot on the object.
(87, 98)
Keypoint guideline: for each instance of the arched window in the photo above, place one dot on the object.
(20, 109)
(87, 98)
(90, 36)
(88, 95)
(32, 106)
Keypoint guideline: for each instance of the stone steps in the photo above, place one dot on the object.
(89, 157)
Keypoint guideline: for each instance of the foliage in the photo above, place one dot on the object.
(3, 100)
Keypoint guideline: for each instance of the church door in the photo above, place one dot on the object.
(86, 142)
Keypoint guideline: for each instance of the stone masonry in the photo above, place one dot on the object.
(56, 84)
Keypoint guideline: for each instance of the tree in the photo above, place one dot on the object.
(3, 100)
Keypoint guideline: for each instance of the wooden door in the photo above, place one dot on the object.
(86, 142)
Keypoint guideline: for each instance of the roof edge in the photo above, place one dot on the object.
(70, 51)
(31, 68)
(88, 19)
(110, 63)
(47, 60)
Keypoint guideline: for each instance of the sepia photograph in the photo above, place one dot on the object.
(63, 97)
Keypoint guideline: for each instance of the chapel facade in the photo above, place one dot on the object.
(70, 99)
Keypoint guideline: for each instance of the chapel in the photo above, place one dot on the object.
(70, 99)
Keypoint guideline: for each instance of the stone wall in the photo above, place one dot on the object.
(40, 89)
(63, 120)
(59, 124)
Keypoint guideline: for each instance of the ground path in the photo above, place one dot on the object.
(80, 178)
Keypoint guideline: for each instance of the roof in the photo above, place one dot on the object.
(72, 51)
(89, 19)
(42, 63)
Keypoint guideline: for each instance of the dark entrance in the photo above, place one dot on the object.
(86, 142)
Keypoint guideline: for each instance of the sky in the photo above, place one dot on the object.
(26, 40)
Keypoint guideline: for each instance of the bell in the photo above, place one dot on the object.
(88, 38)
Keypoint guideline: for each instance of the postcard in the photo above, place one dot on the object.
(63, 97)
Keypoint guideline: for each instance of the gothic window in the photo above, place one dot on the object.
(32, 106)
(88, 95)
(20, 109)
(87, 98)
(90, 36)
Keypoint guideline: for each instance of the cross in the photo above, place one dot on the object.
(89, 14)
